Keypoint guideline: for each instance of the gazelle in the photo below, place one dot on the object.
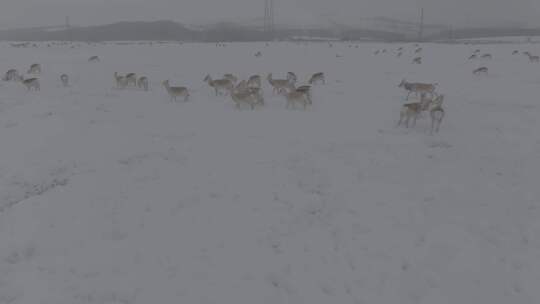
(376, 52)
(248, 96)
(487, 56)
(481, 70)
(291, 77)
(131, 79)
(296, 97)
(254, 81)
(408, 111)
(317, 78)
(64, 78)
(93, 59)
(175, 92)
(418, 51)
(307, 91)
(35, 69)
(436, 113)
(121, 81)
(219, 84)
(418, 88)
(31, 83)
(417, 60)
(142, 83)
(258, 54)
(473, 56)
(278, 84)
(231, 77)
(515, 52)
(534, 58)
(11, 75)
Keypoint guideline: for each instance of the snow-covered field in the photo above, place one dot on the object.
(120, 196)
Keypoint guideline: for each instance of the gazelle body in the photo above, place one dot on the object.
(258, 54)
(231, 77)
(418, 51)
(93, 59)
(515, 52)
(418, 87)
(481, 70)
(11, 75)
(247, 96)
(142, 83)
(31, 84)
(296, 97)
(487, 56)
(291, 77)
(121, 81)
(131, 79)
(219, 84)
(473, 56)
(64, 78)
(417, 60)
(307, 91)
(436, 113)
(35, 69)
(534, 58)
(254, 81)
(317, 78)
(278, 84)
(175, 92)
(408, 111)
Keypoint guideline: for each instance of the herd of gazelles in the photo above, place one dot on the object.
(249, 92)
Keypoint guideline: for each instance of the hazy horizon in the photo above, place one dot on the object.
(30, 13)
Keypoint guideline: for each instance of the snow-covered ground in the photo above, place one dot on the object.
(120, 196)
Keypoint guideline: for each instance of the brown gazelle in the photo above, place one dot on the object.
(480, 70)
(121, 81)
(142, 83)
(131, 79)
(317, 78)
(254, 81)
(64, 78)
(35, 69)
(175, 92)
(417, 60)
(219, 84)
(436, 113)
(408, 111)
(31, 83)
(247, 96)
(93, 59)
(418, 88)
(278, 84)
(11, 75)
(296, 97)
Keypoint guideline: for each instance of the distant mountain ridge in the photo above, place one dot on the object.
(229, 31)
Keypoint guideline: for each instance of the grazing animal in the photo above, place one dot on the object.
(418, 51)
(64, 78)
(376, 52)
(258, 54)
(219, 84)
(131, 79)
(398, 55)
(408, 111)
(175, 92)
(254, 81)
(534, 58)
(31, 83)
(515, 52)
(307, 91)
(121, 81)
(437, 114)
(35, 69)
(11, 75)
(487, 56)
(93, 59)
(481, 70)
(296, 97)
(291, 77)
(418, 88)
(317, 78)
(231, 77)
(417, 60)
(473, 56)
(278, 85)
(142, 83)
(248, 96)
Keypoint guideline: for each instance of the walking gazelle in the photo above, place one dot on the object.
(175, 92)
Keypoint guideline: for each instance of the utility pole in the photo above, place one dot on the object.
(269, 18)
(421, 29)
(68, 29)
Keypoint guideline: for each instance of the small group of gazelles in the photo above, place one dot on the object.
(30, 83)
(249, 92)
(484, 69)
(399, 52)
(432, 104)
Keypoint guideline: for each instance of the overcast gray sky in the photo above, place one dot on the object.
(23, 13)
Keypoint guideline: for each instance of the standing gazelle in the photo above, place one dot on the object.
(436, 113)
(31, 83)
(219, 85)
(35, 69)
(142, 83)
(317, 78)
(64, 78)
(175, 92)
(278, 85)
(131, 79)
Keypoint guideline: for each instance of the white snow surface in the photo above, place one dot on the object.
(121, 196)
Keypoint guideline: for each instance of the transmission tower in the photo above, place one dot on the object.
(269, 18)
